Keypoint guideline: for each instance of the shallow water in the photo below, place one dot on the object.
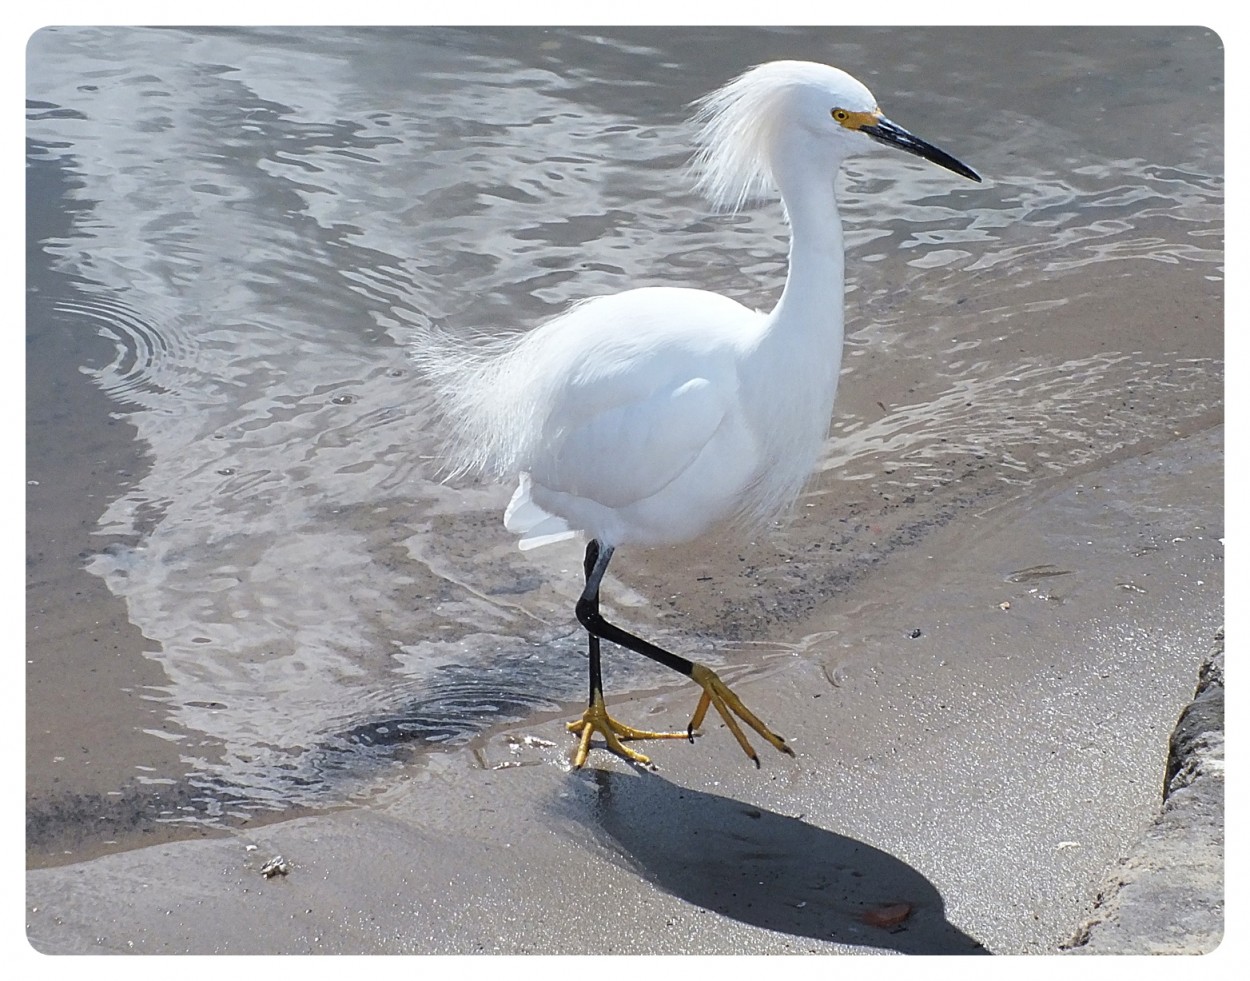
(253, 220)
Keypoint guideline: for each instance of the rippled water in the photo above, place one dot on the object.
(256, 219)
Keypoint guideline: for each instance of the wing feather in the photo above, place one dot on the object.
(627, 452)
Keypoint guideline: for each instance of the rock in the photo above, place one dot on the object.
(1167, 894)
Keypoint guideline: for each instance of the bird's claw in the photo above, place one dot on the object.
(596, 719)
(717, 693)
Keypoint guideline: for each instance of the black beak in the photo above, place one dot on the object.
(884, 131)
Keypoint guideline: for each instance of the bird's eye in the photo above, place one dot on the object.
(841, 115)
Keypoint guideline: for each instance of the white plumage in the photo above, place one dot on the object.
(650, 416)
(647, 417)
(742, 126)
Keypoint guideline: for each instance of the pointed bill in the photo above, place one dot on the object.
(891, 134)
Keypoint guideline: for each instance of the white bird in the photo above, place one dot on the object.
(651, 416)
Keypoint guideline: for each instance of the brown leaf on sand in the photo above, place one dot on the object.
(887, 916)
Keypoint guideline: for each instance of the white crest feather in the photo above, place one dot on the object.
(738, 126)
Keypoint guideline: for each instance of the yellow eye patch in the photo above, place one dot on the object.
(855, 120)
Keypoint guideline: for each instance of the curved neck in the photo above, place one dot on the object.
(791, 378)
(814, 284)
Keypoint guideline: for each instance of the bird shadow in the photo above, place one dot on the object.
(763, 868)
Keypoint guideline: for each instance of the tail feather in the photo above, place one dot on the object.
(535, 526)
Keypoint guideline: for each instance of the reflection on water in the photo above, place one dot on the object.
(260, 217)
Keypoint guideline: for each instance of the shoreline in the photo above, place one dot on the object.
(941, 776)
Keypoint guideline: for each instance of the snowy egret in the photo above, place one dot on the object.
(651, 416)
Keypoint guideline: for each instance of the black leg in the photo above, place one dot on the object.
(591, 602)
(715, 692)
(596, 718)
(597, 559)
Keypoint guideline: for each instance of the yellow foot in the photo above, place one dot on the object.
(716, 692)
(596, 719)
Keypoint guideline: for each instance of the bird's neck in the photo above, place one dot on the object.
(802, 338)
(812, 298)
(791, 378)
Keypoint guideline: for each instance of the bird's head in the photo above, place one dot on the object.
(747, 128)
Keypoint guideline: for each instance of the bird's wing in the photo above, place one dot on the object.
(619, 454)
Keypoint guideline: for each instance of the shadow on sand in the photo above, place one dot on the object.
(763, 868)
